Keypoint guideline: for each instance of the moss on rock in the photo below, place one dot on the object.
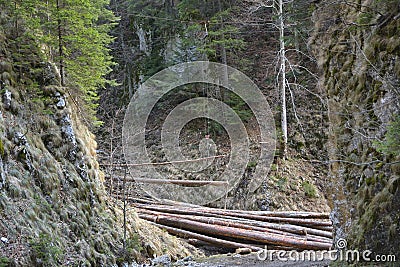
(365, 209)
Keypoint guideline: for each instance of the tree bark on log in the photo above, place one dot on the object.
(243, 234)
(231, 223)
(286, 214)
(204, 238)
(204, 212)
(295, 229)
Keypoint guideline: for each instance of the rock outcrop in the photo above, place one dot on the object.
(54, 210)
(357, 45)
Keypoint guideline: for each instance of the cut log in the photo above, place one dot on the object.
(238, 228)
(324, 228)
(204, 238)
(217, 221)
(203, 212)
(222, 222)
(294, 229)
(249, 235)
(285, 214)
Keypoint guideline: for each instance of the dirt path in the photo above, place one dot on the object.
(251, 260)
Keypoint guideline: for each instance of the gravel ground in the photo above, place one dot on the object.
(230, 260)
(251, 260)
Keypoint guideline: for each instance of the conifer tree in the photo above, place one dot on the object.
(75, 34)
(211, 33)
(82, 35)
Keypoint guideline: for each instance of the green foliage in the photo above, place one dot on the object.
(132, 245)
(158, 19)
(72, 33)
(45, 251)
(251, 164)
(2, 150)
(391, 144)
(215, 34)
(274, 167)
(85, 26)
(215, 128)
(222, 34)
(365, 18)
(309, 189)
(157, 16)
(240, 107)
(4, 261)
(213, 38)
(42, 203)
(281, 183)
(297, 24)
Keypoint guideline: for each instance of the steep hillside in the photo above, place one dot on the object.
(357, 44)
(54, 210)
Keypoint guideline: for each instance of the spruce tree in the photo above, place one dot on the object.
(71, 33)
(82, 33)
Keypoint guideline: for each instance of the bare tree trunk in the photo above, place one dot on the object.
(124, 210)
(128, 73)
(225, 97)
(282, 79)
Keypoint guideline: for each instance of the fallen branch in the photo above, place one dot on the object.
(188, 183)
(160, 163)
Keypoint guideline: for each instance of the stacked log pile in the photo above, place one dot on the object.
(237, 228)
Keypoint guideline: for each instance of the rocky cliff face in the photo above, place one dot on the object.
(53, 207)
(358, 47)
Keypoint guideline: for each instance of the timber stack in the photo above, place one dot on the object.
(238, 228)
